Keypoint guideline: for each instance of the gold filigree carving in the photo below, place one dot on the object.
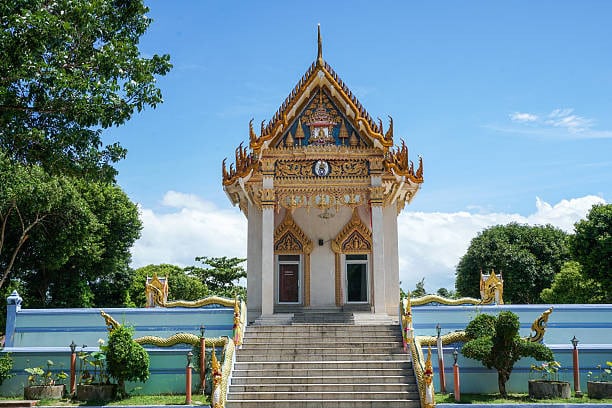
(376, 165)
(267, 166)
(289, 238)
(355, 237)
(267, 196)
(377, 195)
(338, 168)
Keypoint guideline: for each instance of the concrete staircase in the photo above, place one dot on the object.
(323, 365)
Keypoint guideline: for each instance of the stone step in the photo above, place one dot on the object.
(321, 403)
(389, 348)
(320, 341)
(332, 379)
(315, 327)
(318, 356)
(405, 372)
(324, 387)
(317, 365)
(323, 395)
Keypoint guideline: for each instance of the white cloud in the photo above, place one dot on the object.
(522, 117)
(430, 244)
(195, 228)
(559, 123)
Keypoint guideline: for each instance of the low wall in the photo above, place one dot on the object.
(34, 336)
(591, 324)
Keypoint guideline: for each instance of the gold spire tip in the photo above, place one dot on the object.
(320, 45)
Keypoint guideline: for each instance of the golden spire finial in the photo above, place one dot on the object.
(320, 46)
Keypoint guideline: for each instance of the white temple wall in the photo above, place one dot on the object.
(322, 258)
(254, 263)
(391, 260)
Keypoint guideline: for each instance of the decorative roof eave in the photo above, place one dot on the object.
(398, 164)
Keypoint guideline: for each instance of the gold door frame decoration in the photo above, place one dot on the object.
(290, 239)
(355, 238)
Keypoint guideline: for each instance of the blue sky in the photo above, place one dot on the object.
(509, 103)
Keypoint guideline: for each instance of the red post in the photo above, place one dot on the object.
(202, 360)
(72, 368)
(457, 389)
(441, 362)
(577, 391)
(188, 379)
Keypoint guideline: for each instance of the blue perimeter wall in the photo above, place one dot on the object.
(591, 324)
(37, 335)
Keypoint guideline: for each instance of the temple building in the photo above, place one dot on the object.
(321, 185)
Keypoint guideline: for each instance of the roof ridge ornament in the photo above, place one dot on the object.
(319, 46)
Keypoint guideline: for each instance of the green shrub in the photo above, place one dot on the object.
(6, 365)
(495, 342)
(126, 360)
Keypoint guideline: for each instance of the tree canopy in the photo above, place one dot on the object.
(527, 256)
(495, 342)
(570, 286)
(68, 69)
(591, 245)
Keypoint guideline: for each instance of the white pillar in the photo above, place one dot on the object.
(267, 261)
(378, 258)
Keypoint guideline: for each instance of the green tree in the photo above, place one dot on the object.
(68, 70)
(591, 245)
(41, 216)
(528, 257)
(181, 285)
(495, 342)
(222, 276)
(570, 286)
(89, 269)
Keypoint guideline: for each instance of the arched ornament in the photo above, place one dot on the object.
(355, 237)
(290, 239)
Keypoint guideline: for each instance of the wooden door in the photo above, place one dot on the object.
(288, 283)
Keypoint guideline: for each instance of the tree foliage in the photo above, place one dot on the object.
(591, 245)
(68, 70)
(64, 241)
(495, 342)
(570, 286)
(528, 257)
(222, 275)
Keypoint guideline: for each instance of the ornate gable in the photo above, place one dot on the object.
(290, 239)
(355, 237)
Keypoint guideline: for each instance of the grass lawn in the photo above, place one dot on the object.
(513, 399)
(196, 399)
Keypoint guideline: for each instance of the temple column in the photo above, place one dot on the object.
(267, 239)
(378, 249)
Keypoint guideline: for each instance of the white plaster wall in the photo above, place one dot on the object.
(322, 258)
(391, 260)
(254, 263)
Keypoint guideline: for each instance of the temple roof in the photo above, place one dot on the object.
(321, 119)
(320, 76)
